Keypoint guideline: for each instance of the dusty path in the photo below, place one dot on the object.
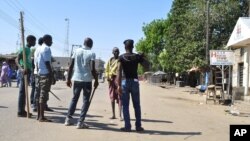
(168, 114)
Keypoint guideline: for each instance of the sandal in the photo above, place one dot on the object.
(45, 120)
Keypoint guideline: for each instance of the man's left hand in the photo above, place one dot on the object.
(69, 84)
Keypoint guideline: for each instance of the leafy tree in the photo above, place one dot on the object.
(178, 42)
(153, 44)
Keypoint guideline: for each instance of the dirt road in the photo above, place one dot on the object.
(168, 114)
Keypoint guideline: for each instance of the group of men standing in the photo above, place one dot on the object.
(42, 64)
(121, 72)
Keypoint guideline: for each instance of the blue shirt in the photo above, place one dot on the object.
(43, 55)
(82, 68)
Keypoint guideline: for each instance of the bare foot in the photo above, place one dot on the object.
(113, 117)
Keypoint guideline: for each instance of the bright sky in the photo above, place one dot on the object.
(107, 22)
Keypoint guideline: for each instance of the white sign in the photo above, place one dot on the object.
(221, 57)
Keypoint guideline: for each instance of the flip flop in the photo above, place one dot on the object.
(45, 120)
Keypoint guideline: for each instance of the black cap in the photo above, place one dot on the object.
(128, 42)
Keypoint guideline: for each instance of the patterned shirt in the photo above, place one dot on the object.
(111, 67)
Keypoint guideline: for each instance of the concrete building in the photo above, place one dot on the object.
(239, 42)
(99, 64)
(60, 64)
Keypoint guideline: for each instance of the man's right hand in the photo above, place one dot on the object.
(119, 90)
(69, 84)
(24, 71)
(96, 83)
(108, 79)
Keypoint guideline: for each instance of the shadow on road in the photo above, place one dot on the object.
(108, 127)
(244, 114)
(61, 119)
(155, 132)
(62, 108)
(152, 120)
(3, 107)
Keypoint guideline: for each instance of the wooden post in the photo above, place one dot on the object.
(25, 66)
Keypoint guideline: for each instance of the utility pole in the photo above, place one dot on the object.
(25, 66)
(248, 8)
(207, 32)
(18, 42)
(66, 49)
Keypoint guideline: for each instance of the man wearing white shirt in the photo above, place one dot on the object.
(83, 64)
(43, 62)
(37, 86)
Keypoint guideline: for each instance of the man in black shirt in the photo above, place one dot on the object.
(129, 84)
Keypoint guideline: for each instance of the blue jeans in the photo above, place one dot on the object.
(131, 86)
(18, 81)
(33, 87)
(77, 88)
(21, 97)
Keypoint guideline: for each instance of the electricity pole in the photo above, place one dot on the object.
(207, 32)
(249, 8)
(66, 49)
(24, 63)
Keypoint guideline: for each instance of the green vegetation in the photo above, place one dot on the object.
(177, 43)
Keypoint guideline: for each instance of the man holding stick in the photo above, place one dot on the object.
(31, 41)
(83, 64)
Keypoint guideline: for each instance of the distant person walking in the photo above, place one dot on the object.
(31, 41)
(83, 64)
(10, 73)
(4, 75)
(129, 84)
(65, 74)
(111, 74)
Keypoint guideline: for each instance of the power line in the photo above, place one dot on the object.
(66, 48)
(16, 5)
(12, 6)
(7, 18)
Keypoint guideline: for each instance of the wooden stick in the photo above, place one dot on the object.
(25, 66)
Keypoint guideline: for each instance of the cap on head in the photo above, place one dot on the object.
(129, 43)
(88, 42)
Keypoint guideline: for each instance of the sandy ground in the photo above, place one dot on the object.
(169, 113)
